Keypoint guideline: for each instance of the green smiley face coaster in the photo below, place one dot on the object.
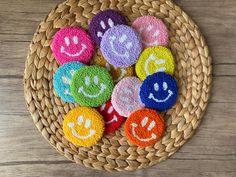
(91, 86)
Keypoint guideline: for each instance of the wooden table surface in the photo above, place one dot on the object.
(211, 151)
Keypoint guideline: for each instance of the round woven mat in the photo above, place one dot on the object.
(114, 152)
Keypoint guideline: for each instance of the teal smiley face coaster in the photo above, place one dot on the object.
(92, 86)
(62, 80)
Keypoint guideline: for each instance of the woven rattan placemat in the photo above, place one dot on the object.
(114, 152)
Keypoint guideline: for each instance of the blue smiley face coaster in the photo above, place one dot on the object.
(159, 91)
(62, 80)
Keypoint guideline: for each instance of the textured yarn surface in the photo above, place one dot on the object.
(102, 21)
(152, 31)
(144, 127)
(159, 91)
(121, 46)
(91, 86)
(125, 96)
(114, 152)
(155, 59)
(112, 119)
(83, 126)
(62, 80)
(72, 44)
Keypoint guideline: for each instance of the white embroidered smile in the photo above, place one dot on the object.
(103, 88)
(158, 62)
(153, 136)
(87, 124)
(122, 39)
(84, 47)
(151, 96)
(114, 119)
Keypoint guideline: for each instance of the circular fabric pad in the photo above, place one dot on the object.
(159, 91)
(92, 86)
(62, 80)
(112, 119)
(125, 97)
(152, 31)
(155, 59)
(102, 21)
(121, 46)
(83, 126)
(72, 44)
(116, 73)
(144, 127)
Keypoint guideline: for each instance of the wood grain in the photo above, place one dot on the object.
(211, 152)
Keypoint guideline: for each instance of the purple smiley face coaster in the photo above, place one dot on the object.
(101, 22)
(121, 46)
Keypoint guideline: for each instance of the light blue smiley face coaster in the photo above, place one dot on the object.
(62, 80)
(92, 86)
(159, 91)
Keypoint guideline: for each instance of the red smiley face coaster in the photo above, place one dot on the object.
(112, 119)
(72, 44)
(144, 127)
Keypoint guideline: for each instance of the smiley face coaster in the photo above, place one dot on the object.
(92, 86)
(155, 59)
(159, 91)
(112, 119)
(125, 97)
(152, 31)
(83, 126)
(116, 73)
(62, 80)
(121, 46)
(144, 127)
(72, 44)
(102, 21)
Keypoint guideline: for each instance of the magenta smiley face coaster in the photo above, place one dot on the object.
(152, 31)
(112, 119)
(125, 97)
(101, 22)
(121, 46)
(72, 44)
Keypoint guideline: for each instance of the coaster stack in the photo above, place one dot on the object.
(114, 152)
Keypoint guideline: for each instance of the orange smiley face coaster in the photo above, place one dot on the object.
(144, 127)
(116, 73)
(83, 126)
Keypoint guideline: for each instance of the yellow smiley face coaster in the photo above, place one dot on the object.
(116, 73)
(83, 126)
(155, 59)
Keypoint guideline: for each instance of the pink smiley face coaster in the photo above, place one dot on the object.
(125, 97)
(72, 44)
(112, 119)
(152, 31)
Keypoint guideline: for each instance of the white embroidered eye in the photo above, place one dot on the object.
(110, 23)
(156, 87)
(75, 39)
(67, 41)
(144, 121)
(110, 110)
(87, 80)
(87, 123)
(95, 79)
(80, 120)
(151, 125)
(102, 24)
(164, 86)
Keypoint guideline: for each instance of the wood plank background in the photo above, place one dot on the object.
(210, 153)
